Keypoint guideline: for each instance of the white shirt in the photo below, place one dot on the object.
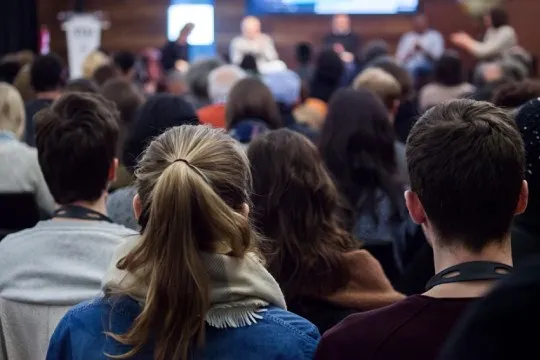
(431, 40)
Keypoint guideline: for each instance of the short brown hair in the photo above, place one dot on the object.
(515, 94)
(296, 205)
(76, 143)
(250, 98)
(466, 164)
(384, 85)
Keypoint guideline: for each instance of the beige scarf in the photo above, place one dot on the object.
(241, 288)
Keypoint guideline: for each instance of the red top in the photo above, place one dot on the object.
(213, 115)
(415, 328)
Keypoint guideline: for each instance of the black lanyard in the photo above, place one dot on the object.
(80, 212)
(471, 271)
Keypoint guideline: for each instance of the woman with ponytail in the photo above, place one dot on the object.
(192, 286)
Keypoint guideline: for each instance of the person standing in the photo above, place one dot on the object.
(253, 42)
(342, 39)
(420, 48)
(176, 53)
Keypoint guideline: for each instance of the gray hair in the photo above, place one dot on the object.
(222, 80)
(197, 76)
(175, 76)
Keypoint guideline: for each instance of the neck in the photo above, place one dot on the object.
(98, 206)
(48, 95)
(445, 258)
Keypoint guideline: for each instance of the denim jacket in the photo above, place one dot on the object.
(81, 335)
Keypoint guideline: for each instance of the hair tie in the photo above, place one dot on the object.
(194, 168)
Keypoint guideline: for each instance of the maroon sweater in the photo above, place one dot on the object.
(413, 329)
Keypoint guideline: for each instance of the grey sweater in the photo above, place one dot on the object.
(20, 172)
(58, 262)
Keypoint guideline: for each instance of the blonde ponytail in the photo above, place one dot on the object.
(193, 183)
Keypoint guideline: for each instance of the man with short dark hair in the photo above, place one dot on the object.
(47, 76)
(125, 63)
(61, 262)
(467, 169)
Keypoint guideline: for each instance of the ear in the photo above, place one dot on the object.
(245, 210)
(415, 207)
(137, 207)
(523, 198)
(112, 170)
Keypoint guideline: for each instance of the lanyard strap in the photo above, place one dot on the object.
(81, 213)
(471, 271)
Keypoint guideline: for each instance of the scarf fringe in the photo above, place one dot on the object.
(235, 315)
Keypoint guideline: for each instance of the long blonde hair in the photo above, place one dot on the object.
(12, 114)
(194, 183)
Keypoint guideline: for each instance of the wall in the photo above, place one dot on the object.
(140, 23)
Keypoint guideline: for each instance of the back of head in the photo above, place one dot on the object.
(23, 83)
(327, 75)
(528, 122)
(295, 206)
(285, 86)
(514, 94)
(384, 85)
(125, 95)
(76, 143)
(12, 116)
(9, 70)
(81, 85)
(449, 69)
(194, 186)
(357, 144)
(249, 64)
(304, 52)
(47, 73)
(197, 76)
(250, 99)
(105, 73)
(124, 61)
(499, 17)
(466, 165)
(222, 80)
(375, 49)
(156, 115)
(399, 73)
(92, 62)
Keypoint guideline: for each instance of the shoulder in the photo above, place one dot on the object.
(368, 330)
(291, 328)
(435, 33)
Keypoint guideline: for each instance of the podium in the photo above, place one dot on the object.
(83, 36)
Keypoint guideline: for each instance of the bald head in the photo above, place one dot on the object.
(341, 24)
(251, 27)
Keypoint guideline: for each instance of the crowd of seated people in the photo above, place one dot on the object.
(357, 205)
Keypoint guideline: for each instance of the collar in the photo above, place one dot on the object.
(6, 135)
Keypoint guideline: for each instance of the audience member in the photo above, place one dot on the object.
(304, 66)
(125, 64)
(127, 98)
(326, 79)
(489, 77)
(525, 231)
(449, 82)
(384, 85)
(375, 50)
(105, 73)
(220, 83)
(157, 115)
(513, 95)
(251, 110)
(9, 68)
(92, 62)
(48, 77)
(249, 65)
(420, 48)
(19, 163)
(285, 86)
(176, 53)
(252, 41)
(342, 39)
(61, 262)
(296, 207)
(466, 161)
(500, 37)
(176, 83)
(81, 85)
(211, 298)
(197, 80)
(23, 83)
(503, 325)
(359, 149)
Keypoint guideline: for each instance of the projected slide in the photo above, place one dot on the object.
(332, 6)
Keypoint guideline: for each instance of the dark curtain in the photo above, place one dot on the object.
(18, 25)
